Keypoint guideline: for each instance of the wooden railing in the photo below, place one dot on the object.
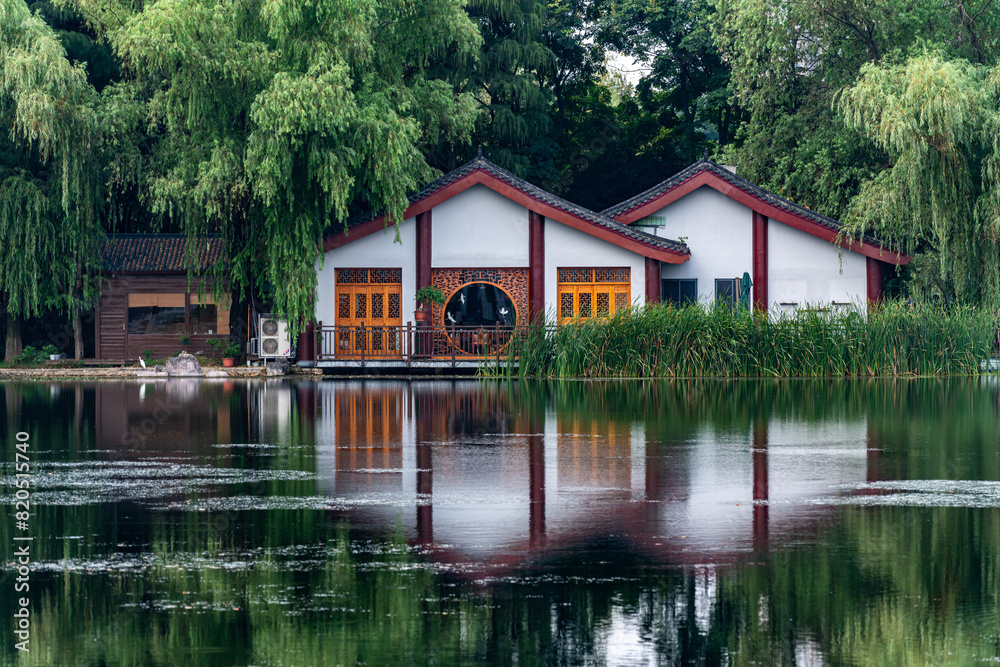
(415, 343)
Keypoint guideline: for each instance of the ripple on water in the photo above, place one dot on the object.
(917, 493)
(93, 482)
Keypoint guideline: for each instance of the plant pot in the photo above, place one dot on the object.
(228, 363)
(420, 316)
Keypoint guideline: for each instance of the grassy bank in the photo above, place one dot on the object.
(693, 341)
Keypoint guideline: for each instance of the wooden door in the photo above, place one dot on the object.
(372, 299)
(113, 321)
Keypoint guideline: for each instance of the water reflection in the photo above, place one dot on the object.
(335, 522)
(501, 472)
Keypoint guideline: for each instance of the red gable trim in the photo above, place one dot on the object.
(510, 192)
(773, 212)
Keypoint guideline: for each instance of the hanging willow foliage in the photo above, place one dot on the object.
(939, 120)
(50, 191)
(267, 121)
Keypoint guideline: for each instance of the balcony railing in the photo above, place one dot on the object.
(415, 343)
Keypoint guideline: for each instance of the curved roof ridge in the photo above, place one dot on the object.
(743, 184)
(480, 163)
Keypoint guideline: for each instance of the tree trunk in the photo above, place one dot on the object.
(77, 337)
(14, 344)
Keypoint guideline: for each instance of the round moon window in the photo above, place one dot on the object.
(479, 305)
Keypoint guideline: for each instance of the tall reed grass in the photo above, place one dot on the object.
(896, 339)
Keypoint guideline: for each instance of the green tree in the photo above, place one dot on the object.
(267, 123)
(50, 191)
(939, 121)
(788, 61)
(687, 77)
(503, 76)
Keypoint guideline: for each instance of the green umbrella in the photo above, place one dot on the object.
(745, 286)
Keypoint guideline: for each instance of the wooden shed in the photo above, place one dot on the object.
(148, 301)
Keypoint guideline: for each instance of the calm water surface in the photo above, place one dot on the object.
(458, 522)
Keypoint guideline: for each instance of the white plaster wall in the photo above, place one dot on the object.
(375, 251)
(481, 229)
(807, 271)
(719, 232)
(568, 247)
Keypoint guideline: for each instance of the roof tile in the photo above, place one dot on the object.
(482, 164)
(156, 253)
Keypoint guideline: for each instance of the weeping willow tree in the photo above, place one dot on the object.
(269, 122)
(939, 121)
(49, 185)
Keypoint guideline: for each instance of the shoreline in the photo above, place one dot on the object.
(118, 373)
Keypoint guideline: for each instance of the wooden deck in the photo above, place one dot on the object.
(409, 346)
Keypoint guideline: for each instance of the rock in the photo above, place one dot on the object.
(277, 368)
(159, 369)
(216, 374)
(184, 365)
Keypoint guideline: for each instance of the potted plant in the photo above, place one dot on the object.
(426, 298)
(229, 354)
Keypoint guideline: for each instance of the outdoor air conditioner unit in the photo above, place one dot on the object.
(274, 340)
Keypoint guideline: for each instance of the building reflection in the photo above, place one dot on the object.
(489, 473)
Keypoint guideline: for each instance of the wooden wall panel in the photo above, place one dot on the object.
(114, 342)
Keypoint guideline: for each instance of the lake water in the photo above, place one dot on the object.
(376, 522)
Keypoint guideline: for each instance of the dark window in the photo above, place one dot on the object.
(156, 320)
(680, 292)
(480, 304)
(204, 318)
(725, 290)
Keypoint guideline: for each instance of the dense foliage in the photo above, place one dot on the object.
(269, 122)
(694, 341)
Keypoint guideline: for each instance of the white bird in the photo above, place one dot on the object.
(142, 362)
(450, 318)
(462, 297)
(504, 311)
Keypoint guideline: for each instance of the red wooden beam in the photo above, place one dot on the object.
(515, 195)
(874, 279)
(424, 249)
(536, 265)
(721, 185)
(760, 302)
(652, 281)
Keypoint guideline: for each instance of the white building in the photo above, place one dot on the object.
(732, 227)
(503, 251)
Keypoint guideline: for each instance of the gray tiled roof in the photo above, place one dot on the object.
(482, 164)
(743, 184)
(156, 253)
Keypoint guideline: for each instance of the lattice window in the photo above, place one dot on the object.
(566, 304)
(361, 306)
(343, 306)
(370, 276)
(352, 276)
(393, 306)
(386, 276)
(603, 302)
(587, 292)
(576, 275)
(377, 300)
(604, 275)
